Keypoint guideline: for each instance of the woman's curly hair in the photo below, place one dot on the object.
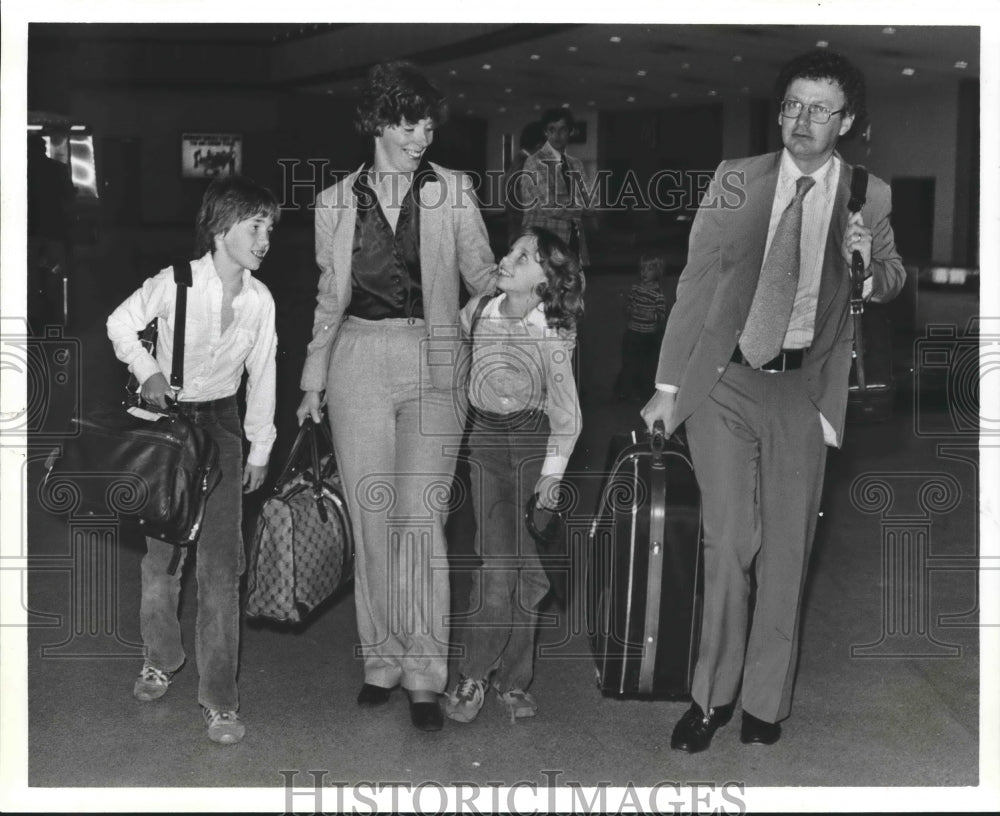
(397, 91)
(562, 292)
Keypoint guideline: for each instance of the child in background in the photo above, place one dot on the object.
(230, 327)
(525, 420)
(647, 316)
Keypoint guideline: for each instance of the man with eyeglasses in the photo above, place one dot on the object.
(755, 362)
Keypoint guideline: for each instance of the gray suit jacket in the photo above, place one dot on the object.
(725, 254)
(453, 243)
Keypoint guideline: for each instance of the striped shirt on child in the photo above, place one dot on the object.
(647, 309)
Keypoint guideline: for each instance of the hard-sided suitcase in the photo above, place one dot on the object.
(644, 581)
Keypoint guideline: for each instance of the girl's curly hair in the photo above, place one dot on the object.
(397, 91)
(562, 292)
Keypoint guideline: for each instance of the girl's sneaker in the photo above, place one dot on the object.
(223, 726)
(463, 704)
(518, 702)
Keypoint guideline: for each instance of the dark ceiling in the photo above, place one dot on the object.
(495, 68)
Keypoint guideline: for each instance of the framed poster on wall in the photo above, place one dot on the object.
(208, 155)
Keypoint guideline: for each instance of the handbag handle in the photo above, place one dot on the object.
(549, 534)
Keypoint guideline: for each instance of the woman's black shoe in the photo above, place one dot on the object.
(426, 716)
(371, 695)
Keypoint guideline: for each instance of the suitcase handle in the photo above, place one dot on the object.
(658, 438)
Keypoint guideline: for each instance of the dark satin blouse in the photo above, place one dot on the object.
(385, 265)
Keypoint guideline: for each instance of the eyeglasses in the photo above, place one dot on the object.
(791, 108)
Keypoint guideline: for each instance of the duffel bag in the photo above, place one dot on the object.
(158, 469)
(303, 550)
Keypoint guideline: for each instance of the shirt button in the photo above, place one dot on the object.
(720, 369)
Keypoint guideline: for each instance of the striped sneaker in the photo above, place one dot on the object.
(464, 703)
(223, 726)
(152, 683)
(518, 703)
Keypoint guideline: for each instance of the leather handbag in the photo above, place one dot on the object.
(139, 461)
(548, 529)
(303, 551)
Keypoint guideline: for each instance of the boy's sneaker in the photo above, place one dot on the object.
(152, 683)
(223, 726)
(519, 703)
(464, 702)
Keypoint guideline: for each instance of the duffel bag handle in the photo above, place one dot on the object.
(308, 431)
(316, 476)
(293, 456)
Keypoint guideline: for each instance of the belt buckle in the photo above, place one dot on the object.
(784, 363)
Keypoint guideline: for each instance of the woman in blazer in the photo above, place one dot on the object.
(392, 240)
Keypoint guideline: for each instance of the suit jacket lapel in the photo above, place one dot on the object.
(343, 236)
(745, 249)
(833, 276)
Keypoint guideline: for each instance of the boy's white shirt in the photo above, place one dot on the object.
(213, 360)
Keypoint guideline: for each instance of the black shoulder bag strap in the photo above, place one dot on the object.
(182, 277)
(183, 281)
(148, 336)
(859, 193)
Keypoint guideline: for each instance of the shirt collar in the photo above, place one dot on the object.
(536, 317)
(824, 176)
(366, 195)
(208, 265)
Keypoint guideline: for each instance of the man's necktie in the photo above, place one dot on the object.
(767, 322)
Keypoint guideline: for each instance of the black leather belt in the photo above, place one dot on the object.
(786, 361)
(207, 405)
(526, 421)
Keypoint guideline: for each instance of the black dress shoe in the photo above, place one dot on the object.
(693, 732)
(758, 732)
(371, 695)
(426, 716)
